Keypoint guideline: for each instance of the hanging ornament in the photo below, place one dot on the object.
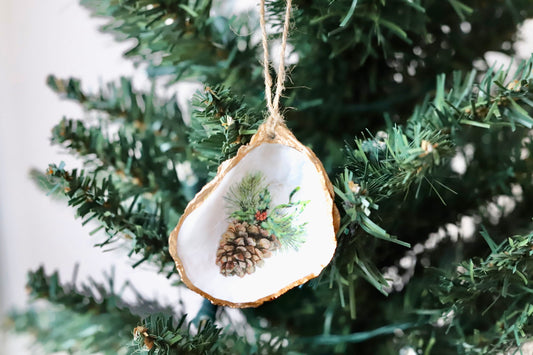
(267, 222)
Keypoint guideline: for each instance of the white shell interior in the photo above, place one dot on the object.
(284, 169)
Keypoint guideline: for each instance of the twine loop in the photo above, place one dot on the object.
(275, 117)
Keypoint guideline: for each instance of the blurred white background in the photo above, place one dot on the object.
(38, 38)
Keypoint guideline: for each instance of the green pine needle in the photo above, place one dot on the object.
(251, 195)
(248, 196)
(281, 223)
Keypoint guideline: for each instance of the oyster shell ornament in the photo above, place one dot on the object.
(265, 224)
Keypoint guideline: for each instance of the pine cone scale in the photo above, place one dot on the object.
(243, 247)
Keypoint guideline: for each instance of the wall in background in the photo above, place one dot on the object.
(38, 38)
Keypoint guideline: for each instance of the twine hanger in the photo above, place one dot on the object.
(275, 118)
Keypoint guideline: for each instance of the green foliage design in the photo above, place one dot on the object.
(250, 201)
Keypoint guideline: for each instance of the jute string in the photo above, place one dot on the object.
(275, 116)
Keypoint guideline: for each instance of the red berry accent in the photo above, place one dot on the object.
(260, 216)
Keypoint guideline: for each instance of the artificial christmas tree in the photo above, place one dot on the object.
(418, 133)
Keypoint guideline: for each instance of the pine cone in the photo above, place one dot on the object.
(243, 247)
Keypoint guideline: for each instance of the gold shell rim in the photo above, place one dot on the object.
(280, 135)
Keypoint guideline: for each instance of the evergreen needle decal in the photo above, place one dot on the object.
(256, 230)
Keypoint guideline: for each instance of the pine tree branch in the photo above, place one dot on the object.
(390, 163)
(346, 24)
(121, 213)
(136, 111)
(92, 319)
(139, 161)
(143, 151)
(395, 74)
(171, 50)
(220, 124)
(484, 303)
(182, 39)
(121, 102)
(132, 170)
(158, 334)
(95, 319)
(395, 160)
